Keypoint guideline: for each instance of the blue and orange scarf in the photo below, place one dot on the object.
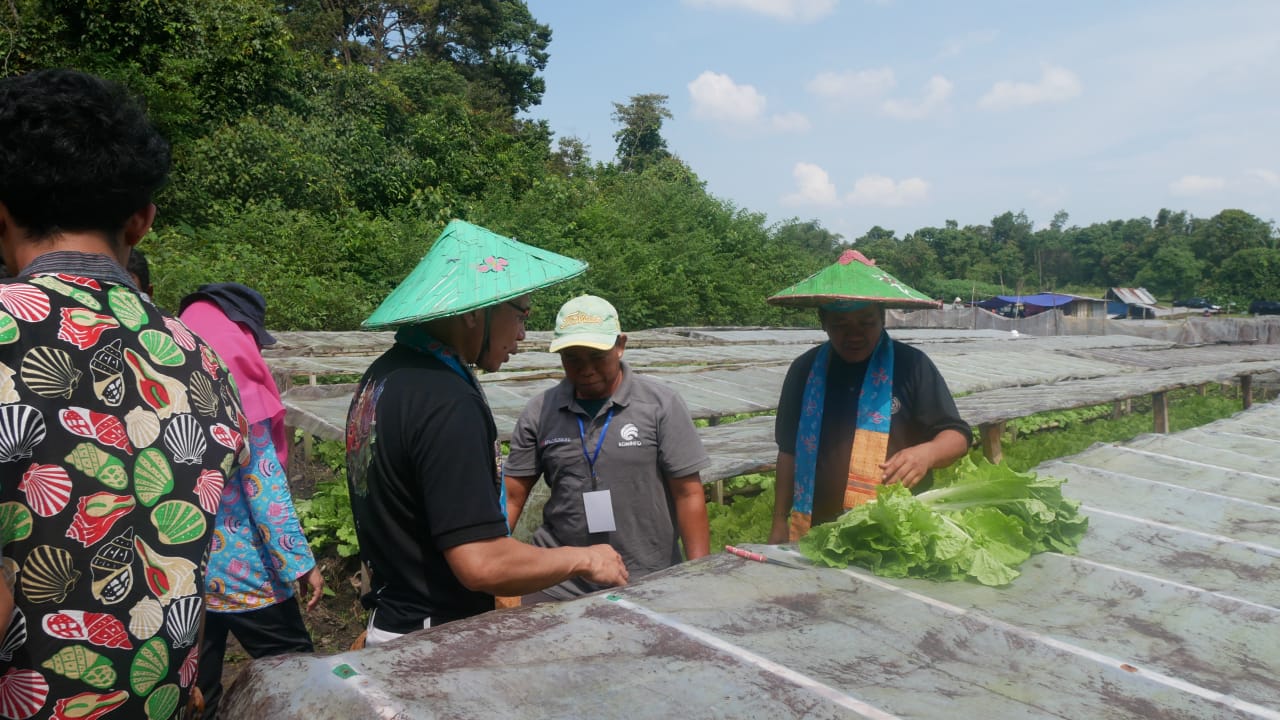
(870, 437)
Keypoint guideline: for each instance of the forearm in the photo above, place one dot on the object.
(783, 490)
(947, 447)
(505, 566)
(691, 516)
(517, 495)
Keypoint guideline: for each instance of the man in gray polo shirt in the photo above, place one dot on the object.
(618, 450)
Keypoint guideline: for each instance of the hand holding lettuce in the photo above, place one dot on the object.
(980, 521)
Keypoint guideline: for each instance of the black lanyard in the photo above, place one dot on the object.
(582, 435)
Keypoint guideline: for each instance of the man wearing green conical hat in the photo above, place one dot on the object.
(422, 447)
(861, 409)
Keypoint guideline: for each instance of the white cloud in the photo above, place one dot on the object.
(1056, 85)
(1196, 185)
(791, 122)
(1270, 177)
(813, 186)
(887, 192)
(717, 97)
(795, 10)
(936, 92)
(852, 85)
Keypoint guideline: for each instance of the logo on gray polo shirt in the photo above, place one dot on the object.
(629, 433)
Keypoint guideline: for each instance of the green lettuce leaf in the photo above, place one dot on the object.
(981, 521)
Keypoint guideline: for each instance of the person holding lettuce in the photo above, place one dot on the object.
(861, 409)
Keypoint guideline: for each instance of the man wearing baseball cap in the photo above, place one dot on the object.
(618, 450)
(422, 445)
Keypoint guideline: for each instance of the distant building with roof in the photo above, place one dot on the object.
(1137, 303)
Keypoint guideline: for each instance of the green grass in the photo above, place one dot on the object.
(726, 419)
(1187, 409)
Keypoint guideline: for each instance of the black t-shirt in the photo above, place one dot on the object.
(922, 408)
(421, 467)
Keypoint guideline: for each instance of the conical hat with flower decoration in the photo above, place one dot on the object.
(851, 280)
(469, 268)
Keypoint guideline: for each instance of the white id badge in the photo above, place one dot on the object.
(599, 511)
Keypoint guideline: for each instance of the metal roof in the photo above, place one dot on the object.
(1133, 296)
(1170, 610)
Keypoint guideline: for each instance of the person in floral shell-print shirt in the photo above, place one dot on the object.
(118, 426)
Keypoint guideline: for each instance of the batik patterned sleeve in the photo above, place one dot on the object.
(271, 508)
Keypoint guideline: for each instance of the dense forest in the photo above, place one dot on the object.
(320, 146)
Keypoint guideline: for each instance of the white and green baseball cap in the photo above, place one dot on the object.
(586, 321)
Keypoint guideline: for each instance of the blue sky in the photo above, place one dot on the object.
(909, 113)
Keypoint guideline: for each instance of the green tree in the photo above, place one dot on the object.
(199, 63)
(1048, 256)
(640, 141)
(959, 250)
(571, 156)
(1010, 238)
(1227, 233)
(1173, 271)
(884, 247)
(497, 45)
(808, 236)
(916, 264)
(1248, 275)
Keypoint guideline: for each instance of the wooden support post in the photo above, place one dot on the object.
(289, 432)
(1246, 391)
(1160, 411)
(1117, 409)
(713, 421)
(717, 492)
(990, 434)
(1204, 389)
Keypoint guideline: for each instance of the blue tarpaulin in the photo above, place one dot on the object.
(1042, 300)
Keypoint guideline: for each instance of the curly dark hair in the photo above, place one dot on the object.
(77, 153)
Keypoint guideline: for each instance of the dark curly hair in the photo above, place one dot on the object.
(77, 153)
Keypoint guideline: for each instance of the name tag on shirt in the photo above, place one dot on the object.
(599, 511)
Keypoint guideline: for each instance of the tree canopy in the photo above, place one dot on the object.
(320, 146)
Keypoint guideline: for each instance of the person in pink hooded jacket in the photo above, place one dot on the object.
(258, 550)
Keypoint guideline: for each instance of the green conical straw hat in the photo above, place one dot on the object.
(852, 279)
(468, 268)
